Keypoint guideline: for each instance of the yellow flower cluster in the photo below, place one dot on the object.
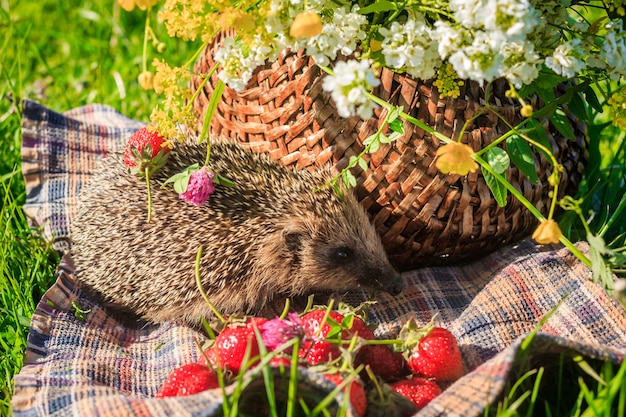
(617, 104)
(188, 19)
(174, 84)
(447, 81)
(129, 5)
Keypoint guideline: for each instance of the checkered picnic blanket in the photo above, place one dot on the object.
(100, 366)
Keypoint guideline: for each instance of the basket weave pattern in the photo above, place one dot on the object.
(423, 216)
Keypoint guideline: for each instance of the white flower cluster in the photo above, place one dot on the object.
(348, 88)
(484, 40)
(411, 47)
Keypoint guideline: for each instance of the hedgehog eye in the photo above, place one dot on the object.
(343, 254)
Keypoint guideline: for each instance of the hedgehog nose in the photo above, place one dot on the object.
(397, 285)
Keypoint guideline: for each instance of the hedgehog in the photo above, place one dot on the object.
(273, 234)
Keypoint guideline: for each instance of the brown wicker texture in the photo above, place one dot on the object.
(423, 216)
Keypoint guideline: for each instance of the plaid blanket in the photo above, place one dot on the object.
(100, 366)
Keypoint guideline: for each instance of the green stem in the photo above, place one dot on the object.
(409, 118)
(581, 256)
(147, 172)
(202, 47)
(201, 289)
(614, 217)
(196, 93)
(146, 35)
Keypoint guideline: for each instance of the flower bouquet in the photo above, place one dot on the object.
(461, 124)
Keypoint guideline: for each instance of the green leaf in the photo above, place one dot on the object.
(396, 125)
(381, 6)
(537, 132)
(498, 159)
(561, 122)
(348, 179)
(210, 110)
(601, 271)
(498, 189)
(180, 185)
(577, 107)
(363, 164)
(223, 181)
(394, 114)
(522, 156)
(186, 173)
(370, 139)
(549, 80)
(375, 144)
(391, 138)
(592, 98)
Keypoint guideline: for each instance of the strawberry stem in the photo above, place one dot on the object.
(149, 194)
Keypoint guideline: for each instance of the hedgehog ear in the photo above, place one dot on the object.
(293, 239)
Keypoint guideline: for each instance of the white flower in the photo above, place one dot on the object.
(614, 50)
(448, 39)
(521, 63)
(411, 47)
(480, 61)
(341, 34)
(238, 62)
(567, 58)
(348, 87)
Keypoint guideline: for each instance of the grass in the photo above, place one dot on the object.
(94, 57)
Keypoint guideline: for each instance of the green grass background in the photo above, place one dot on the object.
(69, 53)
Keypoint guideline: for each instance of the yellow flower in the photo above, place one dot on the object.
(129, 5)
(306, 24)
(548, 231)
(145, 80)
(447, 81)
(456, 158)
(526, 110)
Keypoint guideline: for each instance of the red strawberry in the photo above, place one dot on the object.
(144, 154)
(209, 357)
(420, 391)
(231, 345)
(358, 399)
(187, 380)
(384, 362)
(145, 149)
(257, 322)
(434, 353)
(314, 349)
(361, 329)
(278, 361)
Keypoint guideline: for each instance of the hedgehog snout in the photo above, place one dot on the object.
(388, 280)
(396, 285)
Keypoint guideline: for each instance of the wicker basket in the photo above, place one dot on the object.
(423, 217)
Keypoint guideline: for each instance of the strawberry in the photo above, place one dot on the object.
(361, 329)
(356, 392)
(188, 379)
(209, 357)
(145, 149)
(420, 391)
(383, 401)
(383, 362)
(432, 352)
(145, 153)
(231, 345)
(280, 361)
(315, 349)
